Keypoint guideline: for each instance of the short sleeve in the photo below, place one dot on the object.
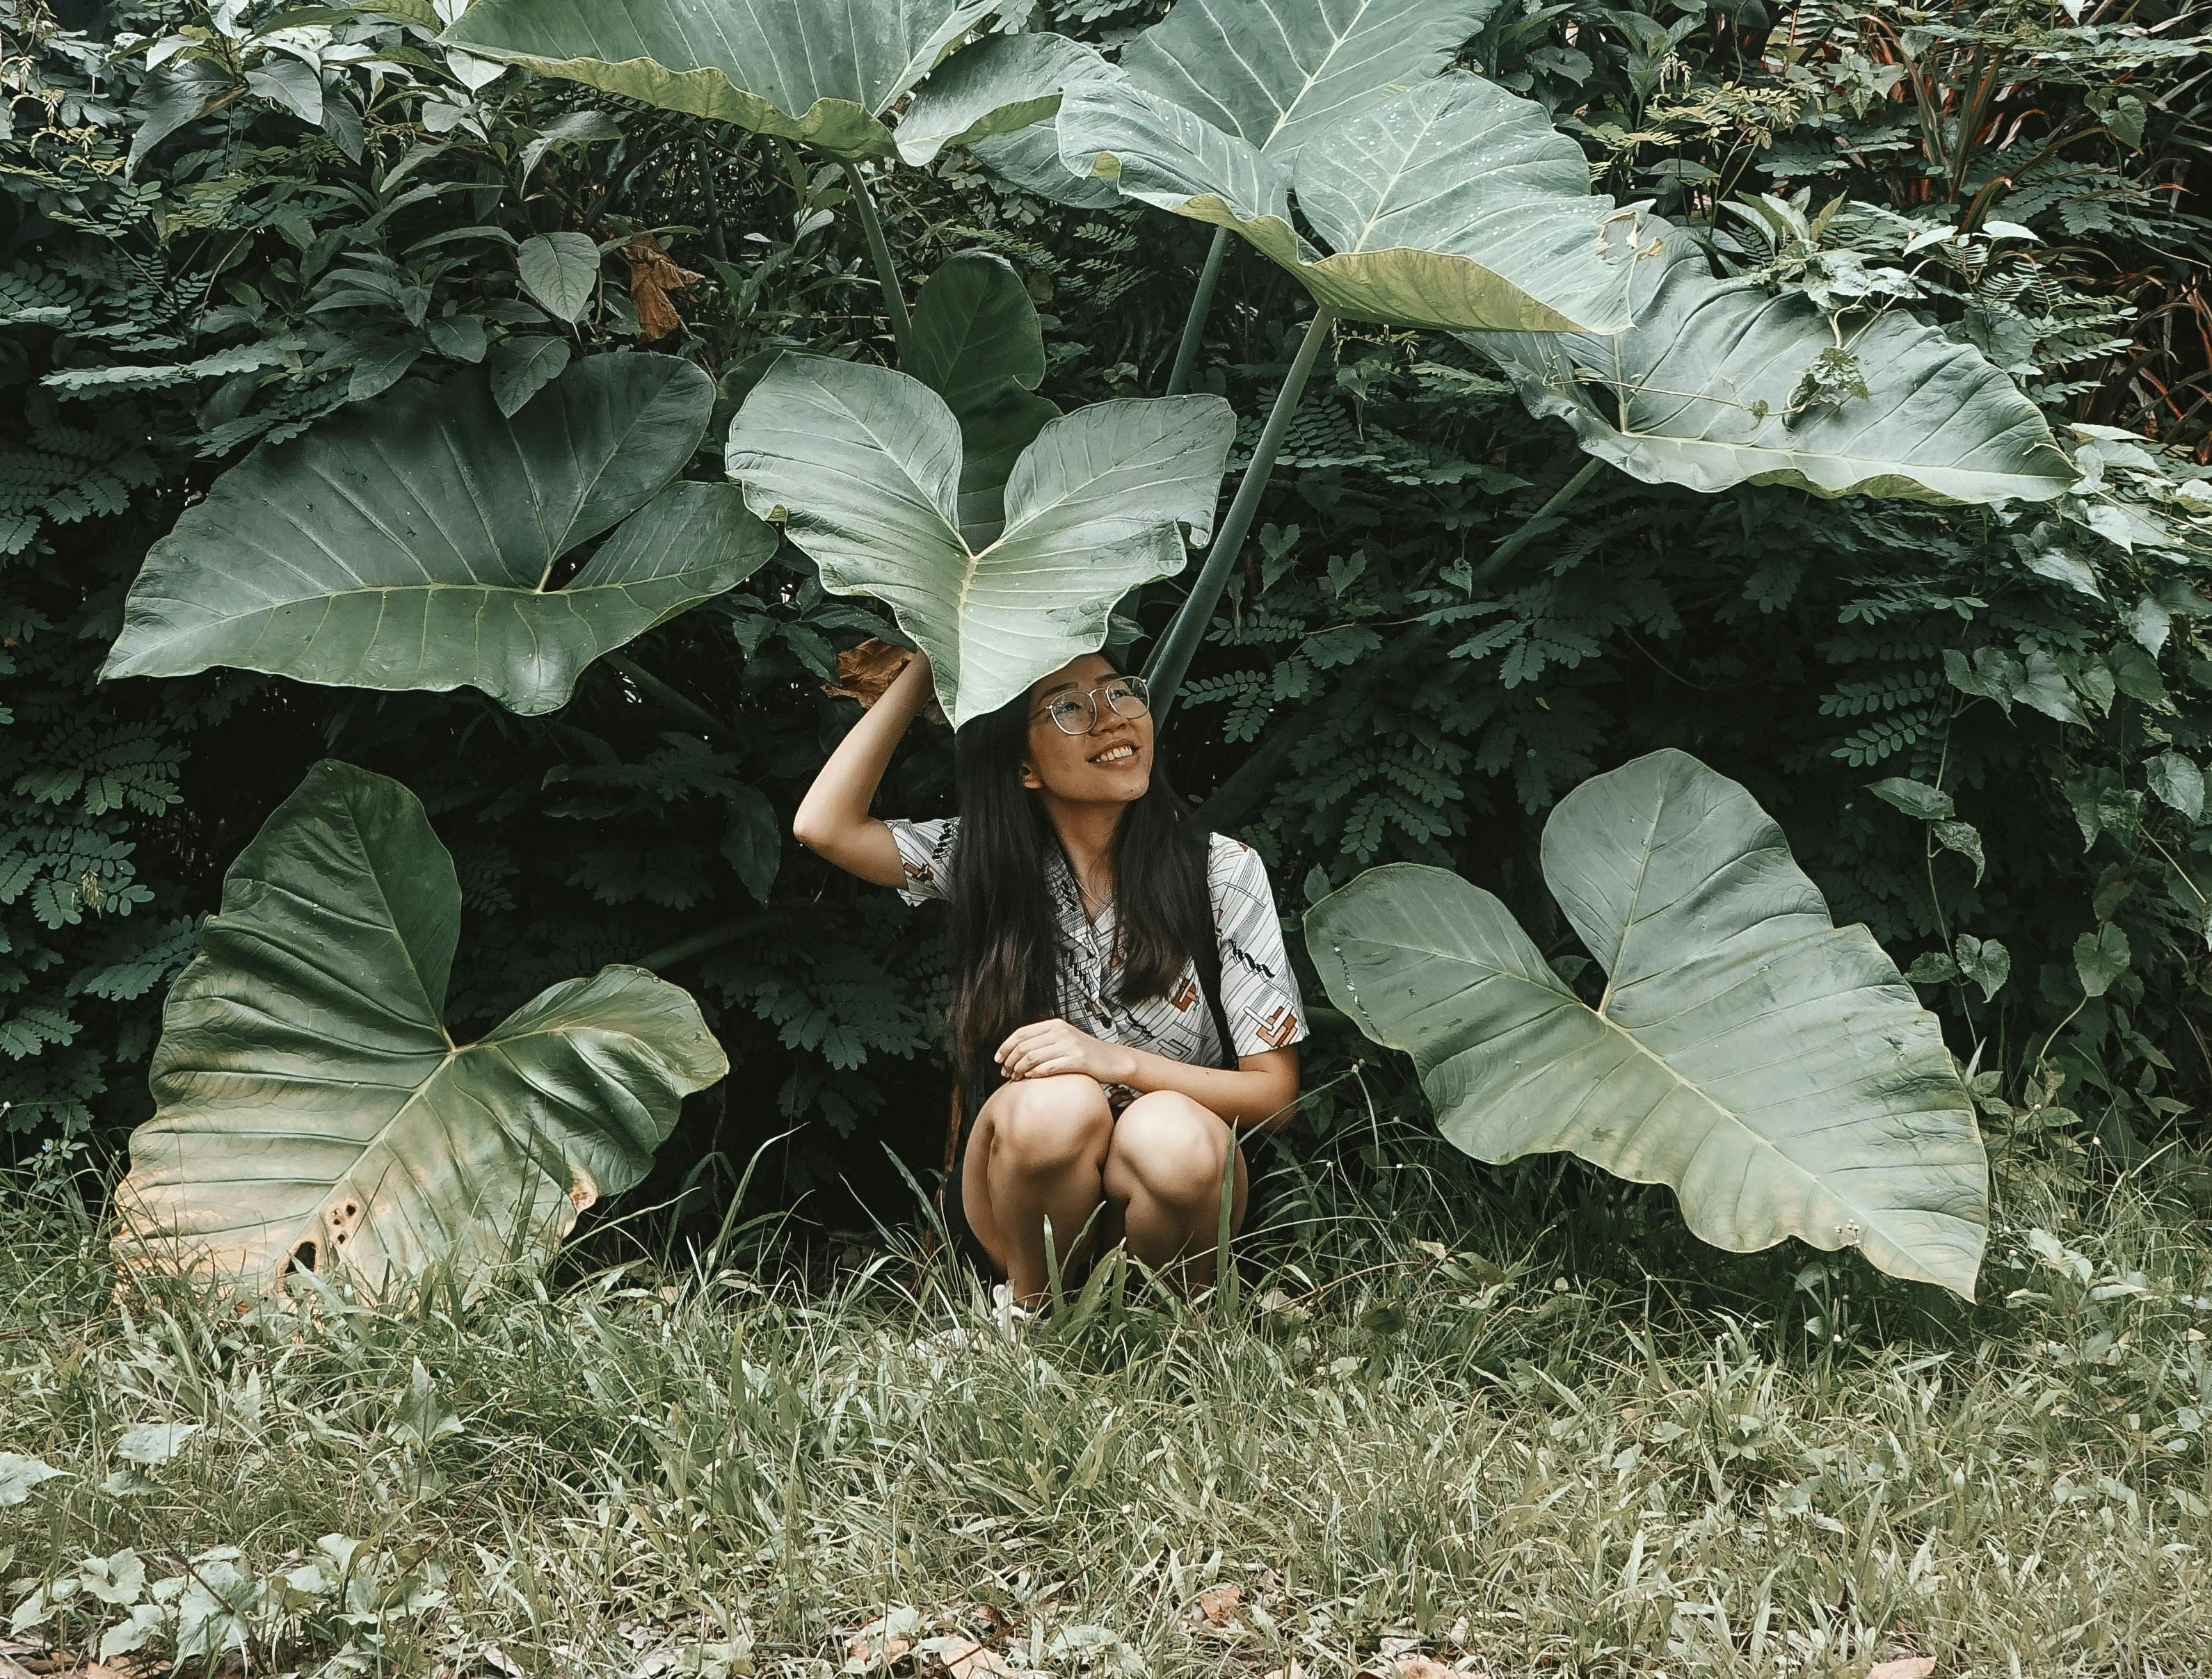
(1259, 991)
(924, 851)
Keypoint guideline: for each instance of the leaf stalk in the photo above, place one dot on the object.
(1526, 533)
(1201, 304)
(676, 700)
(1172, 656)
(880, 251)
(712, 938)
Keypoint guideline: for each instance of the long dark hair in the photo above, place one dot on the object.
(1006, 936)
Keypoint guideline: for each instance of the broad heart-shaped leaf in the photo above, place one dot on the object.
(410, 543)
(977, 343)
(1452, 205)
(998, 85)
(311, 1106)
(864, 466)
(822, 72)
(1028, 156)
(1771, 1067)
(560, 271)
(1277, 73)
(1697, 392)
(1262, 76)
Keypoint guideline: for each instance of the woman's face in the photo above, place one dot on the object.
(1111, 765)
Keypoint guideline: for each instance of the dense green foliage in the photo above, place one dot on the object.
(1985, 735)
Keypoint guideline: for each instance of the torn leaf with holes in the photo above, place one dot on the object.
(313, 1112)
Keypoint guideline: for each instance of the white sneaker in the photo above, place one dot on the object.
(1004, 1309)
(942, 1346)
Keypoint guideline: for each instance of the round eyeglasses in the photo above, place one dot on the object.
(1078, 714)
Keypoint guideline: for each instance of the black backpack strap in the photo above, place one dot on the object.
(1206, 958)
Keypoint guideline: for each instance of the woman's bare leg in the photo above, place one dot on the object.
(1038, 1152)
(1163, 1173)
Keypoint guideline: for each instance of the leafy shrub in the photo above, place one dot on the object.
(1413, 660)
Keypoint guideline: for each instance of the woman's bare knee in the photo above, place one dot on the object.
(1171, 1148)
(1043, 1127)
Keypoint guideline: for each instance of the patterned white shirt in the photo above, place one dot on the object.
(1259, 992)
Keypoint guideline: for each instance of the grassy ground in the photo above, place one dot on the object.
(1423, 1420)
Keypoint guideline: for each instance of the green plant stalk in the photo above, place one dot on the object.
(1171, 657)
(654, 687)
(712, 938)
(717, 239)
(1201, 304)
(1527, 531)
(881, 250)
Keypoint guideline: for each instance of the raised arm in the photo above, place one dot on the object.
(833, 819)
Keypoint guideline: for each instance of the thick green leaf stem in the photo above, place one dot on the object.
(1171, 657)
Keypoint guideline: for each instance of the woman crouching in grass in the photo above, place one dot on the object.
(1122, 1004)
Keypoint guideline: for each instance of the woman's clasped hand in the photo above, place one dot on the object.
(1044, 1048)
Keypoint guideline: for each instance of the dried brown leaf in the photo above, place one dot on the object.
(1404, 1665)
(965, 1658)
(653, 275)
(864, 672)
(1293, 1672)
(874, 1647)
(1218, 1604)
(1905, 1667)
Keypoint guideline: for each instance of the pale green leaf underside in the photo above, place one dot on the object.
(406, 543)
(1277, 73)
(1001, 84)
(310, 1103)
(1155, 151)
(1029, 156)
(1261, 76)
(823, 72)
(863, 465)
(1772, 1067)
(1697, 390)
(1454, 204)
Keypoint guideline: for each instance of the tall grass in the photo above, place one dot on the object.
(1426, 1416)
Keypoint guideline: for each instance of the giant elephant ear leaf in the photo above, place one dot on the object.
(976, 341)
(1029, 156)
(997, 86)
(311, 1108)
(1225, 92)
(1771, 1067)
(863, 465)
(1451, 204)
(1277, 73)
(415, 541)
(1703, 391)
(821, 71)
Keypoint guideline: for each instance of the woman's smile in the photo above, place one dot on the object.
(1120, 752)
